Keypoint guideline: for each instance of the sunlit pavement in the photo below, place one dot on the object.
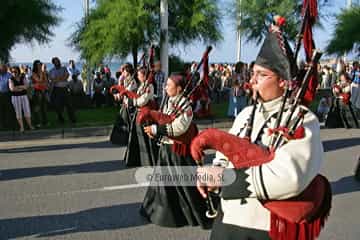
(79, 189)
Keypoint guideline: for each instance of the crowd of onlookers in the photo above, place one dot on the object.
(27, 92)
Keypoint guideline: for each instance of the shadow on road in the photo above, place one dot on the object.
(102, 144)
(332, 145)
(96, 219)
(345, 185)
(92, 167)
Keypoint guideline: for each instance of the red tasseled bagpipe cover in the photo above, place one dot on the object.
(301, 217)
(297, 218)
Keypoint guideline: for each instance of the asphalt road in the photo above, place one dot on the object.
(80, 189)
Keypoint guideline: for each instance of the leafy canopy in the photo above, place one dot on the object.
(256, 16)
(116, 28)
(24, 22)
(346, 36)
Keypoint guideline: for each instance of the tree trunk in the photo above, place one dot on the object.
(135, 53)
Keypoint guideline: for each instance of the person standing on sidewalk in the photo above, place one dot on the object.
(355, 86)
(6, 111)
(60, 92)
(39, 79)
(159, 82)
(18, 85)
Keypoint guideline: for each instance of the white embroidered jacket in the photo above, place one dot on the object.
(145, 95)
(182, 122)
(294, 166)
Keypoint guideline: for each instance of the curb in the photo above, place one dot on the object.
(62, 133)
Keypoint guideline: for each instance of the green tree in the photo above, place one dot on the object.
(24, 22)
(116, 28)
(346, 36)
(256, 16)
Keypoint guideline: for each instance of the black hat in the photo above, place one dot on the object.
(276, 55)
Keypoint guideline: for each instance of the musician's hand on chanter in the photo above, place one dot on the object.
(209, 179)
(149, 132)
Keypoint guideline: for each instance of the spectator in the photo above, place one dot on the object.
(159, 82)
(18, 85)
(60, 92)
(323, 108)
(326, 78)
(39, 80)
(108, 82)
(215, 83)
(355, 86)
(237, 99)
(72, 69)
(99, 87)
(5, 99)
(333, 77)
(77, 92)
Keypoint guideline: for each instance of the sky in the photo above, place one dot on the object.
(224, 51)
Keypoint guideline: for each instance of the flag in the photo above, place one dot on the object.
(310, 14)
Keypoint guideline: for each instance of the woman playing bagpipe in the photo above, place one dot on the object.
(176, 205)
(120, 132)
(141, 150)
(342, 103)
(274, 152)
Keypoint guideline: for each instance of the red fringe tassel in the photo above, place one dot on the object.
(282, 229)
(307, 229)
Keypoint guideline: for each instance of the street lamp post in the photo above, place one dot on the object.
(87, 67)
(164, 37)
(238, 34)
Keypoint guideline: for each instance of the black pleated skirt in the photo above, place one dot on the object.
(341, 115)
(141, 150)
(120, 132)
(174, 206)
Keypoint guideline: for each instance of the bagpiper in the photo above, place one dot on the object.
(274, 152)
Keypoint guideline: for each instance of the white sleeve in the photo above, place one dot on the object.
(132, 86)
(181, 124)
(145, 97)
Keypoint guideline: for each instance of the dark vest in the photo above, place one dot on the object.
(18, 83)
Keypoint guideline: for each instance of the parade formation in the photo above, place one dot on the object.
(273, 148)
(260, 180)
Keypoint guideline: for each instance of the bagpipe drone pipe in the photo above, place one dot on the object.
(149, 79)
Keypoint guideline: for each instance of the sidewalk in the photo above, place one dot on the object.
(61, 133)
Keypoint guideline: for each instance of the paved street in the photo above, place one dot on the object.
(79, 189)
